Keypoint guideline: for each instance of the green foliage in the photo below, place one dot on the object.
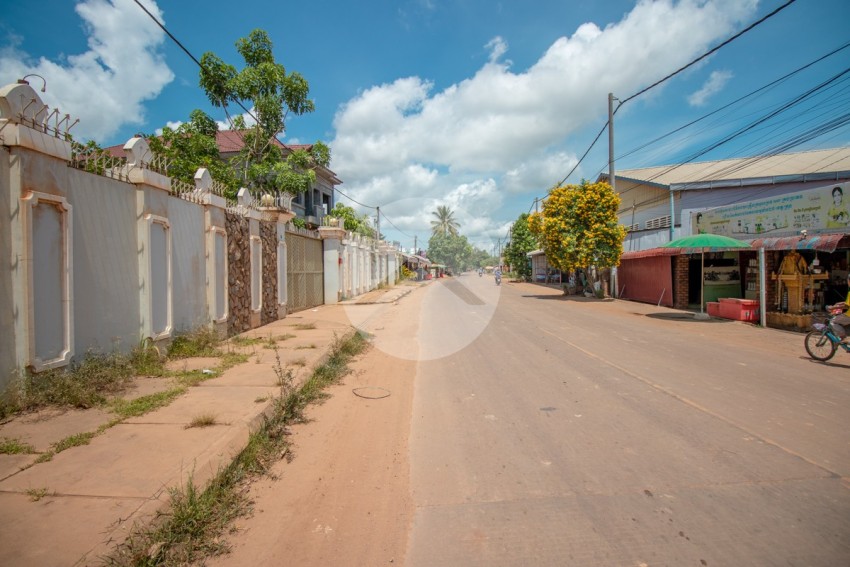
(579, 228)
(203, 341)
(89, 156)
(265, 86)
(522, 242)
(298, 222)
(10, 446)
(361, 224)
(192, 145)
(445, 225)
(451, 250)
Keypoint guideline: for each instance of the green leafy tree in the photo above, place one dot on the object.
(445, 223)
(579, 228)
(271, 93)
(522, 242)
(361, 224)
(451, 250)
(192, 145)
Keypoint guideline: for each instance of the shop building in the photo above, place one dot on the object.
(795, 206)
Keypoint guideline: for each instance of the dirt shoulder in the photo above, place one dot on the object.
(344, 499)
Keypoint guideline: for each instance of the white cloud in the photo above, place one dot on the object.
(715, 83)
(538, 173)
(105, 86)
(504, 129)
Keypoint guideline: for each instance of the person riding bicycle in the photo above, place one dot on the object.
(842, 321)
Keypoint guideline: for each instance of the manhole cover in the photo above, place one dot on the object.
(371, 392)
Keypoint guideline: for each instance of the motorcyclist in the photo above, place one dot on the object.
(497, 273)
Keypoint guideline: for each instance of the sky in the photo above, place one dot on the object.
(480, 105)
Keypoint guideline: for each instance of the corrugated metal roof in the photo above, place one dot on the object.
(652, 252)
(747, 171)
(822, 242)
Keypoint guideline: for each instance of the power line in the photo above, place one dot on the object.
(189, 53)
(736, 101)
(707, 53)
(353, 200)
(394, 226)
(674, 73)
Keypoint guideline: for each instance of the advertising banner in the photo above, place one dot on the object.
(816, 210)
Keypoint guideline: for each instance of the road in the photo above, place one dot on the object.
(546, 430)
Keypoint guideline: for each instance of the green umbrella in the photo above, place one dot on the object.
(701, 242)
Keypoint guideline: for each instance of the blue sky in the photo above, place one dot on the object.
(478, 105)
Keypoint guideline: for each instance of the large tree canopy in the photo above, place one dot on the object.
(579, 228)
(522, 242)
(264, 87)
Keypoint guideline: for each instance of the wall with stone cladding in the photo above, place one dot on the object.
(268, 235)
(238, 273)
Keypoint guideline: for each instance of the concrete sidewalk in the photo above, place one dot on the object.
(386, 295)
(73, 509)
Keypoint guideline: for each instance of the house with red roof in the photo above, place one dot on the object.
(311, 205)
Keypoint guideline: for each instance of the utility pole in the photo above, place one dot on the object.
(611, 176)
(415, 249)
(378, 224)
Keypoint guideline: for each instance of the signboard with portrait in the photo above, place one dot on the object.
(825, 209)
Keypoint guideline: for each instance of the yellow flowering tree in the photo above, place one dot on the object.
(579, 228)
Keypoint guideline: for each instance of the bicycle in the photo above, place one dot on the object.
(823, 341)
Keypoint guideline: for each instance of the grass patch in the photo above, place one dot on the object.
(305, 326)
(77, 440)
(203, 341)
(305, 347)
(261, 399)
(140, 406)
(241, 341)
(271, 343)
(195, 525)
(37, 494)
(10, 446)
(300, 362)
(202, 420)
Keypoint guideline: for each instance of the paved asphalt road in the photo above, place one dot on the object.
(555, 431)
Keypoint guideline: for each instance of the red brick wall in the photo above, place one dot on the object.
(680, 282)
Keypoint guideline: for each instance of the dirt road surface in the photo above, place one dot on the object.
(526, 428)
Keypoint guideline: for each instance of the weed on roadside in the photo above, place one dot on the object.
(241, 341)
(9, 446)
(203, 341)
(193, 527)
(305, 326)
(202, 420)
(271, 343)
(140, 406)
(37, 494)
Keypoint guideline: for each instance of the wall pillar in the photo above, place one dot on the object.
(332, 246)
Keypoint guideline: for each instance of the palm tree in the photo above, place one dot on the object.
(445, 223)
